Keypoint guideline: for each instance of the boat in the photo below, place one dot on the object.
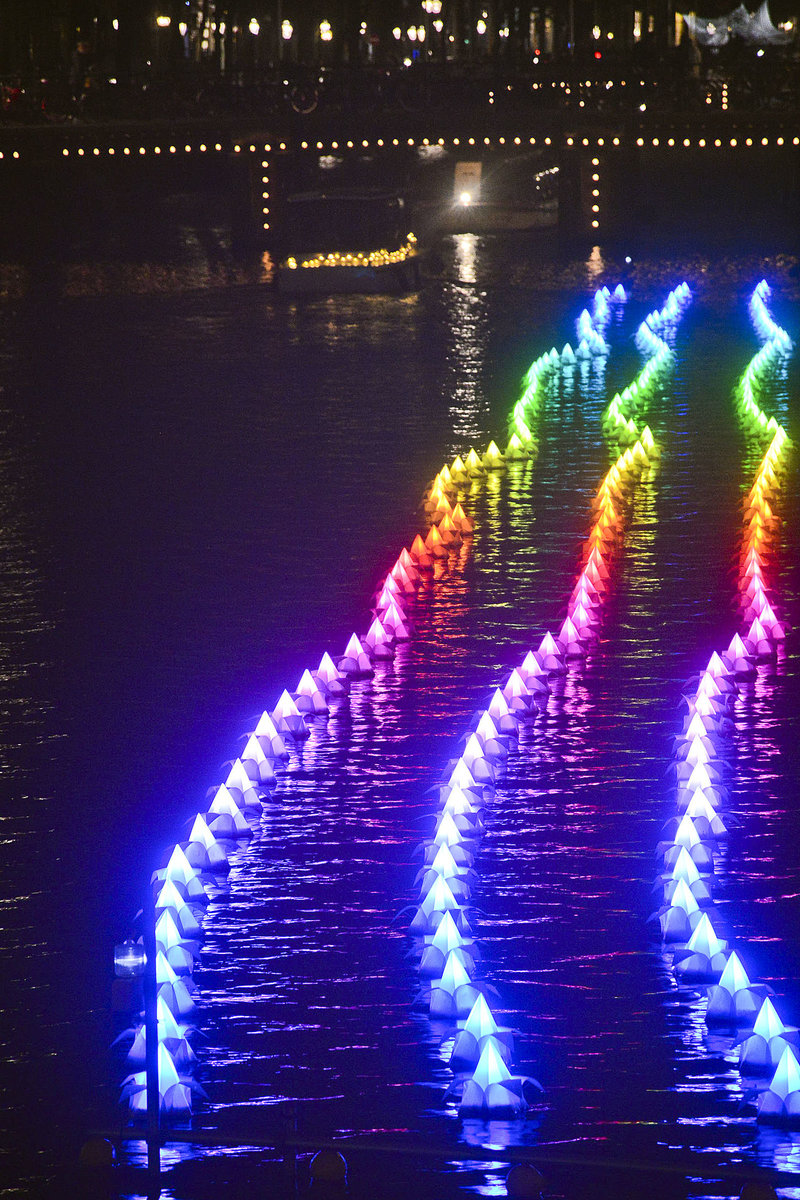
(348, 242)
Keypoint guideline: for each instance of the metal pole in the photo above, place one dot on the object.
(150, 990)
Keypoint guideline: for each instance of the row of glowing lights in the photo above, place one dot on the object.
(445, 946)
(181, 895)
(365, 143)
(764, 1045)
(180, 892)
(358, 258)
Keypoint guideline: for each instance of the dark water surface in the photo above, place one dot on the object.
(201, 484)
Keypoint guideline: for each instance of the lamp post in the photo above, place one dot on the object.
(137, 960)
(150, 989)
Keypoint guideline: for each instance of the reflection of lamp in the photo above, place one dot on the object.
(129, 959)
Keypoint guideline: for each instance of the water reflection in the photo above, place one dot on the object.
(225, 581)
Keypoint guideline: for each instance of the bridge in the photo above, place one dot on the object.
(627, 171)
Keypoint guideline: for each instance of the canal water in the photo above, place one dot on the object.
(202, 483)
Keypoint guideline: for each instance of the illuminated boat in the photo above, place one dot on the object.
(349, 242)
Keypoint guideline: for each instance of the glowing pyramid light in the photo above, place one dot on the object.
(378, 641)
(438, 946)
(454, 993)
(309, 697)
(492, 1089)
(288, 718)
(703, 958)
(269, 739)
(762, 1050)
(203, 850)
(735, 1000)
(176, 1092)
(479, 1025)
(355, 662)
(781, 1100)
(240, 786)
(256, 762)
(225, 819)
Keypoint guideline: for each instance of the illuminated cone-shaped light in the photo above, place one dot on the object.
(167, 932)
(288, 718)
(493, 458)
(501, 714)
(686, 870)
(516, 448)
(478, 1026)
(739, 657)
(240, 786)
(355, 661)
(175, 991)
(447, 832)
(462, 777)
(438, 900)
(759, 641)
(473, 464)
(330, 678)
(378, 641)
(269, 739)
(445, 940)
(492, 1088)
(169, 896)
(703, 959)
(734, 1000)
(225, 818)
(771, 623)
(551, 654)
(781, 1100)
(405, 577)
(258, 766)
(308, 697)
(761, 1052)
(462, 521)
(571, 639)
(457, 469)
(517, 695)
(445, 991)
(435, 543)
(420, 554)
(203, 850)
(476, 760)
(179, 870)
(456, 801)
(679, 918)
(490, 738)
(396, 623)
(445, 865)
(706, 820)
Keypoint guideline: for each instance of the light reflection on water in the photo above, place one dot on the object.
(284, 525)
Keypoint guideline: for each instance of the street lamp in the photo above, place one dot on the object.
(129, 959)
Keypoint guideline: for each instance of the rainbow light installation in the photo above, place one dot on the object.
(691, 924)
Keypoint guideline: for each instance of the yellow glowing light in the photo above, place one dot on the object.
(163, 22)
(358, 258)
